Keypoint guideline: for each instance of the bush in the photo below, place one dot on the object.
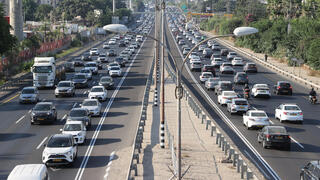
(228, 25)
(76, 43)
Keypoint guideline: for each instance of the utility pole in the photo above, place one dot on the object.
(162, 115)
(16, 19)
(113, 6)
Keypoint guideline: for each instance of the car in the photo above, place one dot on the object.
(260, 90)
(125, 57)
(86, 56)
(210, 43)
(217, 62)
(136, 44)
(64, 88)
(223, 86)
(60, 150)
(94, 51)
(99, 64)
(69, 66)
(106, 46)
(205, 76)
(132, 49)
(207, 52)
(195, 58)
(94, 57)
(214, 56)
(112, 42)
(98, 92)
(103, 58)
(115, 71)
(43, 112)
(310, 171)
(93, 106)
(80, 80)
(111, 52)
(282, 87)
(211, 83)
(185, 51)
(226, 97)
(209, 68)
(226, 70)
(181, 42)
(224, 52)
(29, 94)
(193, 54)
(238, 105)
(202, 47)
(79, 114)
(241, 78)
(92, 66)
(274, 136)
(178, 37)
(78, 62)
(120, 61)
(87, 72)
(237, 61)
(255, 119)
(250, 67)
(196, 66)
(107, 82)
(289, 112)
(29, 171)
(139, 38)
(122, 44)
(216, 47)
(231, 55)
(113, 64)
(194, 41)
(77, 129)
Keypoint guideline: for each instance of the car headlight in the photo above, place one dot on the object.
(48, 113)
(79, 134)
(69, 153)
(33, 114)
(69, 90)
(56, 90)
(45, 153)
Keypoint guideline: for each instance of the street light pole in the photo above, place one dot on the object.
(162, 115)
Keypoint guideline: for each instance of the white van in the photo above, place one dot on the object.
(29, 172)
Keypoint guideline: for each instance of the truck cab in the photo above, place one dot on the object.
(44, 72)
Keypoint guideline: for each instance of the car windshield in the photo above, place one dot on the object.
(187, 49)
(217, 60)
(64, 84)
(97, 89)
(285, 85)
(27, 91)
(226, 85)
(90, 65)
(85, 71)
(233, 53)
(207, 75)
(42, 69)
(78, 76)
(119, 59)
(42, 107)
(59, 142)
(78, 113)
(213, 80)
(230, 94)
(251, 65)
(90, 103)
(227, 65)
(106, 79)
(291, 108)
(258, 114)
(241, 102)
(72, 127)
(277, 130)
(114, 68)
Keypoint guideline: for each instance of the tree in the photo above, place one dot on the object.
(29, 9)
(7, 41)
(140, 6)
(123, 12)
(43, 12)
(68, 9)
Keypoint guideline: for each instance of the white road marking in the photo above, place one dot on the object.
(44, 140)
(271, 122)
(85, 92)
(30, 110)
(264, 173)
(74, 105)
(109, 164)
(318, 126)
(106, 175)
(64, 117)
(20, 119)
(296, 142)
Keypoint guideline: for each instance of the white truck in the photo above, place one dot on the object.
(189, 26)
(45, 72)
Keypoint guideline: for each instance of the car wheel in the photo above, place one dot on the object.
(264, 145)
(57, 96)
(32, 123)
(248, 128)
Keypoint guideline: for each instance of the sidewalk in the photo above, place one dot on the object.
(198, 148)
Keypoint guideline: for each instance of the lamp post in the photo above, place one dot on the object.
(240, 31)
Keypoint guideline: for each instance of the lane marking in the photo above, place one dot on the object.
(64, 117)
(30, 110)
(10, 98)
(271, 121)
(44, 140)
(20, 119)
(85, 92)
(228, 121)
(102, 119)
(318, 126)
(264, 173)
(296, 142)
(74, 105)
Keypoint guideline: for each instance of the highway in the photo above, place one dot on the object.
(22, 143)
(273, 163)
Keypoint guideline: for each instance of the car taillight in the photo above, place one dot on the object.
(233, 105)
(268, 136)
(289, 137)
(285, 113)
(224, 97)
(301, 113)
(290, 87)
(278, 87)
(251, 119)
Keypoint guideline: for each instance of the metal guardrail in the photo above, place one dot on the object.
(221, 139)
(136, 148)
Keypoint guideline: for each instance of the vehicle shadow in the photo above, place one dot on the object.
(105, 127)
(13, 136)
(103, 141)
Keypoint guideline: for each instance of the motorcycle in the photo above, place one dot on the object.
(313, 99)
(246, 94)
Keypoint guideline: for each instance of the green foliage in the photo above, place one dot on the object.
(7, 41)
(42, 12)
(212, 24)
(29, 9)
(68, 9)
(123, 12)
(32, 42)
(228, 25)
(313, 53)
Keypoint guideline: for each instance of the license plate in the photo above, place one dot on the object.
(241, 107)
(293, 114)
(260, 126)
(57, 160)
(40, 119)
(278, 137)
(263, 91)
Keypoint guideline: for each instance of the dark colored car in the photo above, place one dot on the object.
(223, 86)
(282, 87)
(43, 112)
(69, 67)
(274, 136)
(80, 114)
(111, 52)
(209, 68)
(241, 78)
(78, 62)
(224, 52)
(250, 67)
(120, 61)
(107, 82)
(86, 56)
(207, 52)
(79, 80)
(122, 44)
(311, 171)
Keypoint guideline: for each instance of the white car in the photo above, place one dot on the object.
(211, 83)
(132, 49)
(193, 54)
(94, 51)
(98, 92)
(216, 62)
(238, 105)
(226, 70)
(260, 90)
(105, 46)
(255, 118)
(139, 38)
(231, 55)
(205, 76)
(112, 42)
(237, 61)
(60, 150)
(103, 58)
(93, 66)
(115, 71)
(185, 51)
(114, 64)
(77, 129)
(226, 97)
(289, 112)
(87, 73)
(195, 59)
(93, 106)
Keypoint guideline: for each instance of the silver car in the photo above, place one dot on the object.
(211, 83)
(29, 95)
(65, 88)
(238, 105)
